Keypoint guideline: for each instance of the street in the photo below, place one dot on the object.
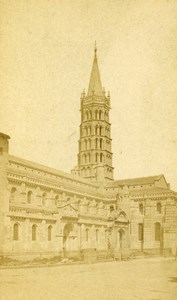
(150, 278)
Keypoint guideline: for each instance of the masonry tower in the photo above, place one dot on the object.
(95, 156)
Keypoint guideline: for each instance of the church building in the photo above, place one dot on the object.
(45, 212)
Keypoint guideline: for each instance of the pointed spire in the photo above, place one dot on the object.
(95, 86)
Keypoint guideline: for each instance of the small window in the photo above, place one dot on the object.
(106, 234)
(87, 235)
(16, 232)
(159, 208)
(13, 193)
(96, 208)
(141, 209)
(140, 232)
(111, 208)
(49, 233)
(29, 196)
(157, 231)
(56, 200)
(96, 115)
(96, 143)
(34, 232)
(43, 199)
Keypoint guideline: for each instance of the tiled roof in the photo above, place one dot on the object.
(136, 181)
(46, 169)
(152, 191)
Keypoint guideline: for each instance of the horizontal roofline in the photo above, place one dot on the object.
(47, 169)
(155, 190)
(137, 180)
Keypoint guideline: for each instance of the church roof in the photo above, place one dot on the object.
(5, 136)
(155, 190)
(137, 181)
(95, 86)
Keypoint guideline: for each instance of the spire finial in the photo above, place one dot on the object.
(95, 49)
(95, 82)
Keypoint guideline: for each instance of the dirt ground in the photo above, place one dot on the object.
(152, 279)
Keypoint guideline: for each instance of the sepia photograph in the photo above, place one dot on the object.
(88, 150)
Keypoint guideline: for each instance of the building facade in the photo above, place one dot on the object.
(45, 212)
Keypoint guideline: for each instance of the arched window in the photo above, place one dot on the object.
(49, 232)
(140, 232)
(34, 232)
(96, 129)
(100, 115)
(97, 235)
(85, 144)
(29, 196)
(111, 208)
(13, 193)
(87, 172)
(96, 208)
(90, 114)
(89, 157)
(44, 199)
(89, 143)
(89, 130)
(105, 115)
(157, 231)
(159, 208)
(101, 143)
(100, 130)
(141, 209)
(56, 200)
(96, 143)
(87, 115)
(106, 235)
(107, 131)
(96, 113)
(87, 235)
(101, 157)
(16, 232)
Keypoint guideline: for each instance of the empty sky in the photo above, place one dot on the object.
(46, 55)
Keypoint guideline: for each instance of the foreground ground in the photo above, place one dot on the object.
(152, 279)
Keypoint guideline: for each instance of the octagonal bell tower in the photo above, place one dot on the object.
(95, 156)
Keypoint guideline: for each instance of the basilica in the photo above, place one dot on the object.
(46, 212)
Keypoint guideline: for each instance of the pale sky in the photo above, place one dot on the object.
(46, 55)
